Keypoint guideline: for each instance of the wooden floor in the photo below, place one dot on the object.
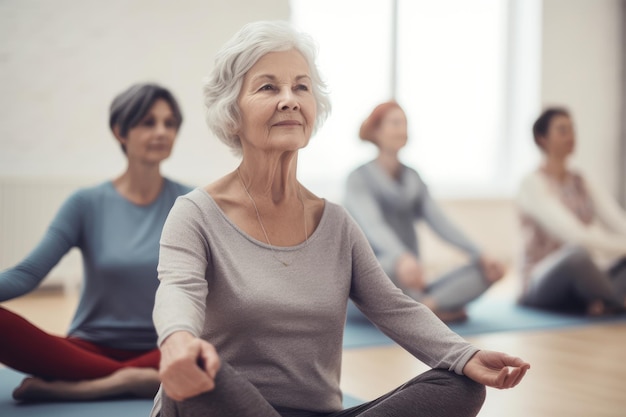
(575, 372)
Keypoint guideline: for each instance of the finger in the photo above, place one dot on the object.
(521, 375)
(211, 360)
(499, 382)
(213, 366)
(191, 383)
(511, 377)
(516, 362)
(186, 379)
(508, 360)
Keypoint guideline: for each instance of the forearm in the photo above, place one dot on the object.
(15, 282)
(540, 204)
(26, 276)
(445, 229)
(177, 311)
(411, 324)
(612, 216)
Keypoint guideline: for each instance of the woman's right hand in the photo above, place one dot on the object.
(188, 366)
(410, 272)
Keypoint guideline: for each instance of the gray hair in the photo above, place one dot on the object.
(131, 106)
(234, 60)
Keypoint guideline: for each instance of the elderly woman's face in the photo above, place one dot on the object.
(277, 105)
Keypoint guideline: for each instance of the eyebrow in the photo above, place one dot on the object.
(271, 77)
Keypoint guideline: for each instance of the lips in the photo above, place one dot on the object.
(159, 147)
(288, 123)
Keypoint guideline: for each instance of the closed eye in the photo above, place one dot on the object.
(302, 87)
(149, 122)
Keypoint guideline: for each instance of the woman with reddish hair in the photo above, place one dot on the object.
(386, 198)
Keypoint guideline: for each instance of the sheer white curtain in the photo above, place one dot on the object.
(458, 77)
(451, 78)
(354, 38)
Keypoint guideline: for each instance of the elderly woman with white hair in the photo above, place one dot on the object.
(256, 271)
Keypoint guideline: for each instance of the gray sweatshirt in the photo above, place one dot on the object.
(387, 210)
(280, 326)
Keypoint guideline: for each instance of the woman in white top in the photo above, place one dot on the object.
(574, 233)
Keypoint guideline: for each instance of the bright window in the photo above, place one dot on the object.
(454, 76)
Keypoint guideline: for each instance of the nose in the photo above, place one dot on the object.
(161, 129)
(287, 100)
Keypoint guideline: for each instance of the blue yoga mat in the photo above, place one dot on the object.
(486, 315)
(10, 379)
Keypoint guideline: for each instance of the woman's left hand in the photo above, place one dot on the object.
(496, 369)
(493, 269)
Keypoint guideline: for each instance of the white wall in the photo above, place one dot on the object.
(581, 69)
(62, 62)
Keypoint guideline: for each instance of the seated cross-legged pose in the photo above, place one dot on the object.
(256, 271)
(574, 257)
(387, 198)
(110, 349)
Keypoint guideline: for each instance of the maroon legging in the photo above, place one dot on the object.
(26, 348)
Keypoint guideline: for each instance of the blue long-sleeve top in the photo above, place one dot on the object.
(119, 242)
(387, 209)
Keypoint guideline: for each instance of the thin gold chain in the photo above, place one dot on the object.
(258, 216)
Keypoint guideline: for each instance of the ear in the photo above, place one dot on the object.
(374, 136)
(118, 136)
(542, 141)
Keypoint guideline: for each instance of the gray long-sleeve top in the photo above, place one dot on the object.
(387, 209)
(281, 326)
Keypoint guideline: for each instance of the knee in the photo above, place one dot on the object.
(577, 257)
(464, 395)
(470, 393)
(9, 322)
(168, 407)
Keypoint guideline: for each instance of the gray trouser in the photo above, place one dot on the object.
(455, 289)
(452, 291)
(434, 393)
(569, 280)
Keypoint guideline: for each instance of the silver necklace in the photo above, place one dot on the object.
(258, 216)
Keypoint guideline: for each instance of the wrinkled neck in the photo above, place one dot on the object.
(272, 176)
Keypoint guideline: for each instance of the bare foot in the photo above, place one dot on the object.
(27, 388)
(493, 270)
(596, 308)
(134, 382)
(139, 382)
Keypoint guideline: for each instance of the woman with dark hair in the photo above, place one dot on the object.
(574, 233)
(110, 349)
(387, 198)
